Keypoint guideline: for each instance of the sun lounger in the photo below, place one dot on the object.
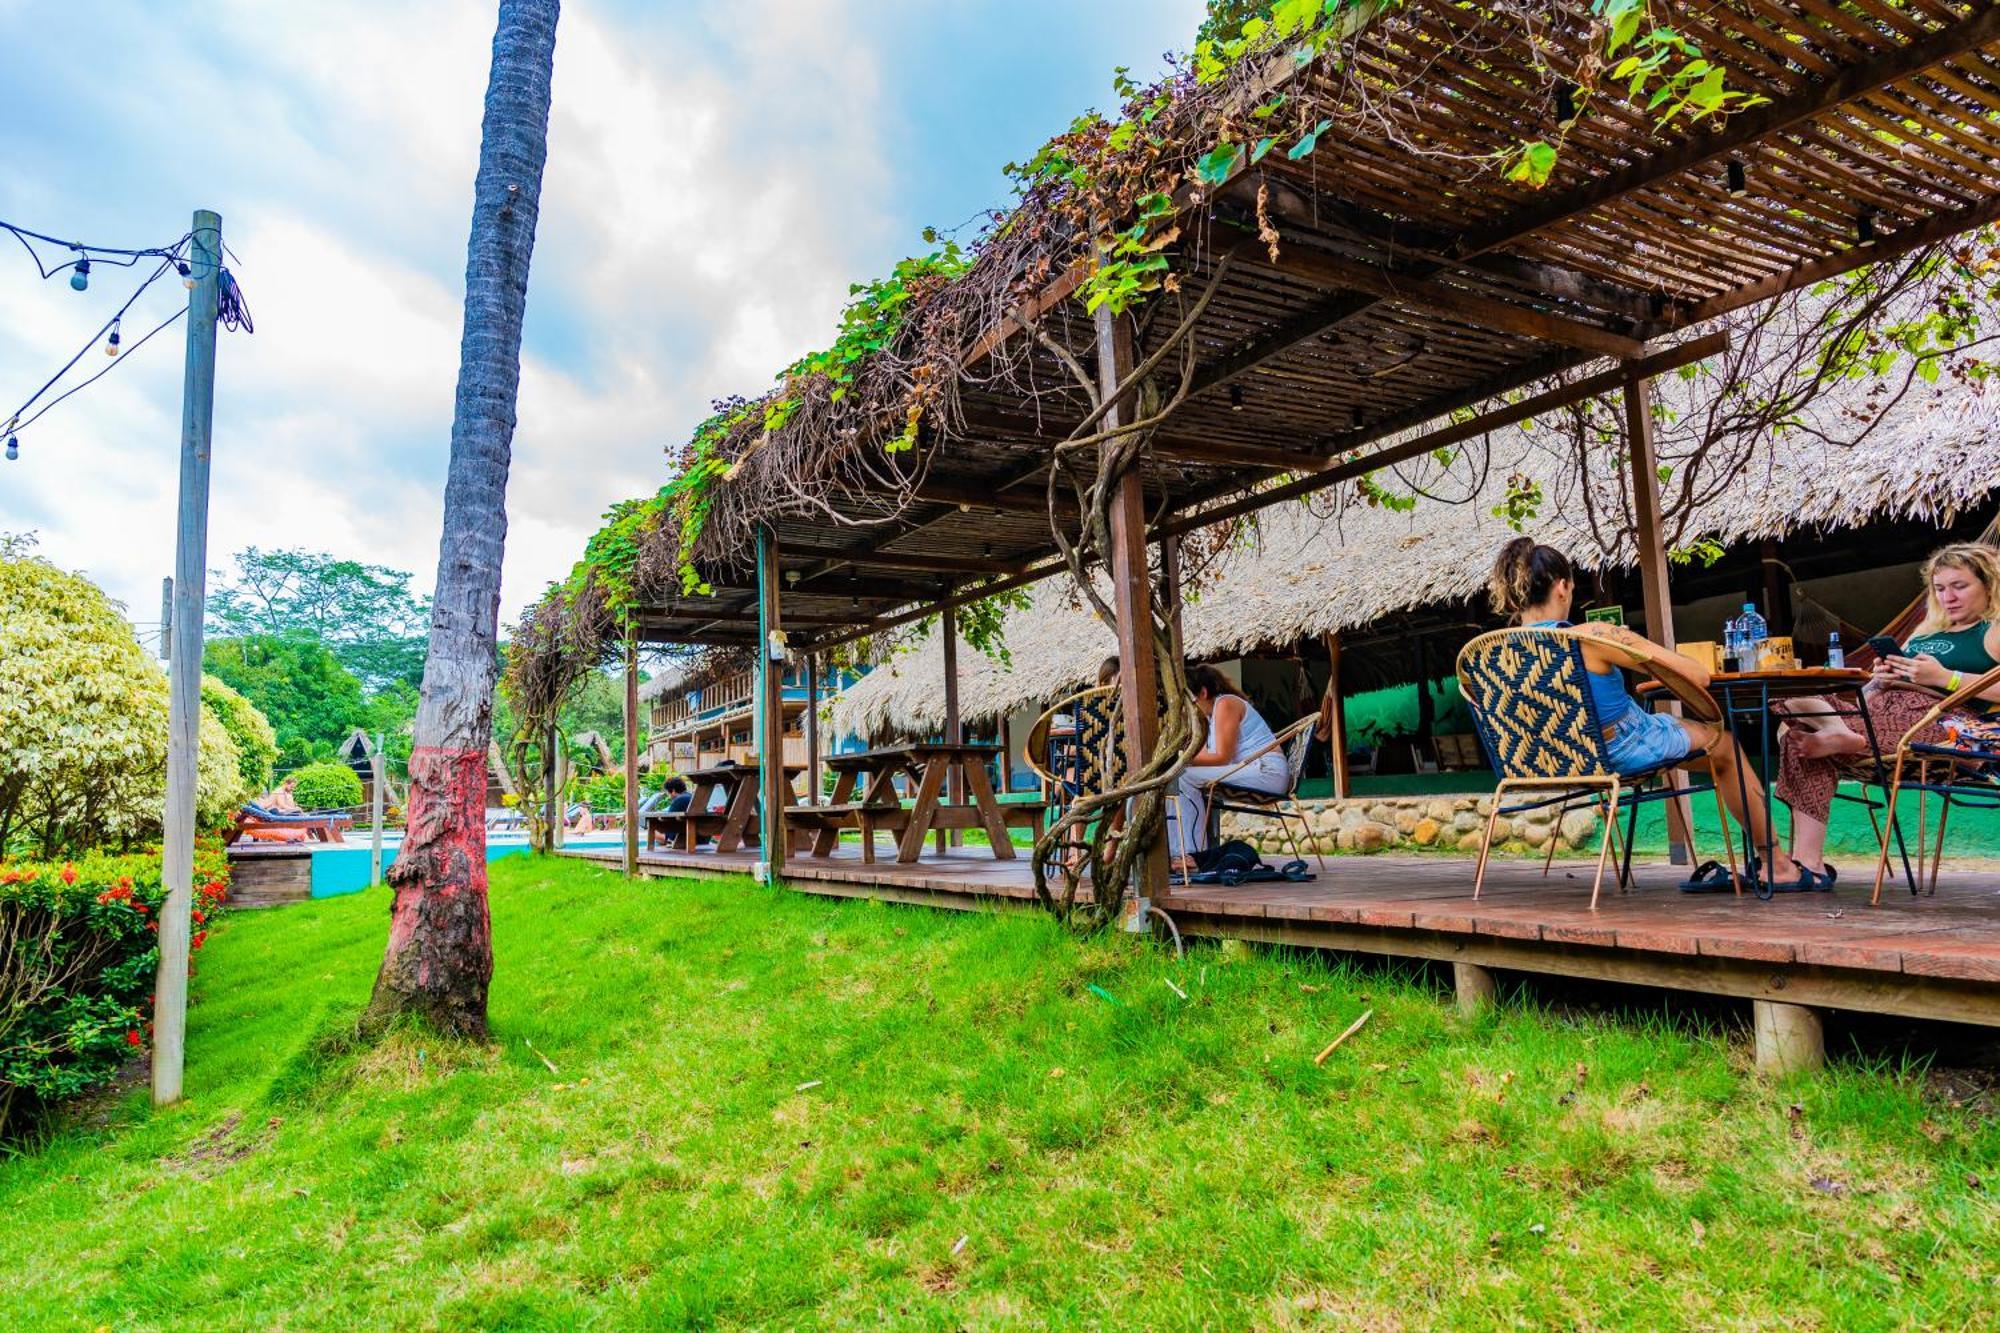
(319, 825)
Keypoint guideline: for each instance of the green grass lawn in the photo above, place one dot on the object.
(773, 1109)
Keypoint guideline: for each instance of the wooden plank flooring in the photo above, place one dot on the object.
(1926, 957)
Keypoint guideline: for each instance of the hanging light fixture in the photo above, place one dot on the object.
(79, 276)
(13, 448)
(1864, 226)
(1565, 105)
(187, 274)
(111, 343)
(1739, 178)
(1236, 398)
(1356, 416)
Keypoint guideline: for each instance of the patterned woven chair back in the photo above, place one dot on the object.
(1529, 693)
(1296, 750)
(1100, 759)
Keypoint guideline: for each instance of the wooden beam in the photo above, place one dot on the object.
(1034, 574)
(954, 733)
(1131, 597)
(1740, 130)
(1648, 536)
(983, 497)
(631, 756)
(775, 792)
(1412, 289)
(905, 560)
(1338, 469)
(1221, 453)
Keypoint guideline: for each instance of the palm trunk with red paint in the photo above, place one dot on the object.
(440, 956)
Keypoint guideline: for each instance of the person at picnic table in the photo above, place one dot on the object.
(1240, 747)
(1535, 586)
(1957, 641)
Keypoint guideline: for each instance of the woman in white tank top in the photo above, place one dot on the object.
(1235, 732)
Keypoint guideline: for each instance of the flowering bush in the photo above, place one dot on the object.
(327, 786)
(83, 721)
(256, 743)
(78, 953)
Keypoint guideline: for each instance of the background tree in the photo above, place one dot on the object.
(311, 700)
(366, 614)
(439, 960)
(249, 730)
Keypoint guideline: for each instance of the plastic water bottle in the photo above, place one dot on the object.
(1754, 631)
(1836, 658)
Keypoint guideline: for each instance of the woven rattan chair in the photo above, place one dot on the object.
(1085, 761)
(1529, 694)
(1959, 774)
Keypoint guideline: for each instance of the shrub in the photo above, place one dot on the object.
(80, 939)
(83, 721)
(256, 742)
(604, 792)
(327, 786)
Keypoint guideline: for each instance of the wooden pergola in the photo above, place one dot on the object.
(1409, 305)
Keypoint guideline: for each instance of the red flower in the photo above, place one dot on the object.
(198, 917)
(199, 936)
(132, 1038)
(138, 907)
(68, 873)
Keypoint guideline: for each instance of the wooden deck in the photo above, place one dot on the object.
(1933, 958)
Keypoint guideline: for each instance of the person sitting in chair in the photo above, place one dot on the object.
(1535, 586)
(678, 800)
(1241, 748)
(1958, 640)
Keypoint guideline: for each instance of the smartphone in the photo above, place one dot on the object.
(1884, 646)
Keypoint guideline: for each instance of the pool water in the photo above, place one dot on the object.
(343, 868)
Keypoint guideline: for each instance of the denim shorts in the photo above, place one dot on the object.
(1642, 740)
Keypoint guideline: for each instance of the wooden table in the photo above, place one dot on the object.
(734, 825)
(929, 768)
(1746, 698)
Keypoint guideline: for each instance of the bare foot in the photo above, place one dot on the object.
(1818, 744)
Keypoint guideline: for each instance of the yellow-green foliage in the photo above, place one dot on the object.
(256, 741)
(83, 720)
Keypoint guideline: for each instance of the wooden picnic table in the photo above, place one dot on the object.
(929, 767)
(734, 825)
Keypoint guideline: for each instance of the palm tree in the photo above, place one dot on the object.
(440, 955)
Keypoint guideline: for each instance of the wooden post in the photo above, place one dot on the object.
(631, 755)
(167, 619)
(1170, 575)
(184, 694)
(812, 728)
(954, 732)
(1474, 988)
(1131, 597)
(1658, 602)
(559, 832)
(550, 812)
(378, 779)
(1789, 1038)
(1336, 739)
(770, 711)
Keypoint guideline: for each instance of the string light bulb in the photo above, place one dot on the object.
(13, 448)
(1864, 225)
(1236, 398)
(1565, 105)
(1739, 180)
(111, 343)
(187, 274)
(79, 277)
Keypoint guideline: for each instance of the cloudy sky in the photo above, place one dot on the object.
(718, 174)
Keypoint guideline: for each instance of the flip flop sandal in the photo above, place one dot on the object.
(1828, 877)
(1709, 877)
(1807, 882)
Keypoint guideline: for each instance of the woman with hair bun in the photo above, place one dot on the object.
(1535, 585)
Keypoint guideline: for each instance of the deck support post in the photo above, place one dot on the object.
(631, 755)
(1131, 595)
(1650, 537)
(812, 729)
(770, 711)
(1336, 717)
(1170, 576)
(954, 731)
(1474, 987)
(1789, 1038)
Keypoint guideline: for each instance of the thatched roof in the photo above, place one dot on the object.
(1348, 564)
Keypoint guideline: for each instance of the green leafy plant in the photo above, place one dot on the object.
(327, 786)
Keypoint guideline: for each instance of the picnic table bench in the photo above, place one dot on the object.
(733, 826)
(929, 767)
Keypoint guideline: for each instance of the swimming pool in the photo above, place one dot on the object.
(343, 868)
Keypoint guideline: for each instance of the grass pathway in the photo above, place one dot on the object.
(771, 1109)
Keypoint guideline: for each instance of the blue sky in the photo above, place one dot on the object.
(719, 173)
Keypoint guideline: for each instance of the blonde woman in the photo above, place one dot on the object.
(1958, 640)
(1535, 586)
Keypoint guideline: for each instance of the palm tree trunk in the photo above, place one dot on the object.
(440, 955)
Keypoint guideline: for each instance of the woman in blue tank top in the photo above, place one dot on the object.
(1535, 585)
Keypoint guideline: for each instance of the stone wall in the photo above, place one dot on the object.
(1388, 823)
